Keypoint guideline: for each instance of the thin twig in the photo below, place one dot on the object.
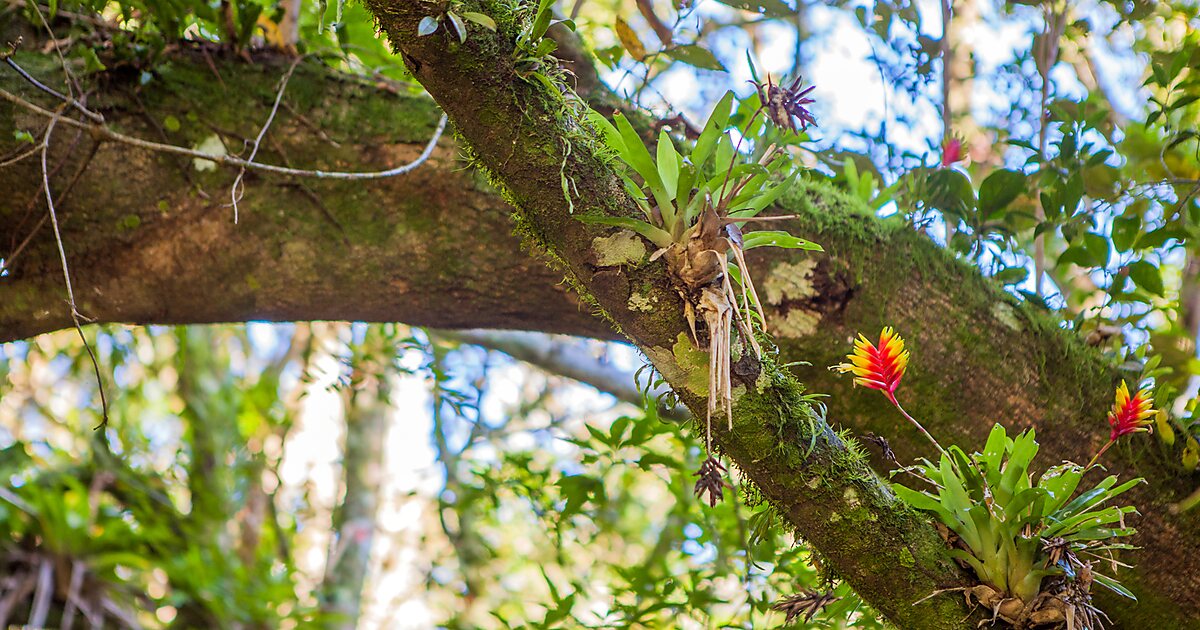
(228, 160)
(184, 165)
(22, 156)
(238, 188)
(62, 255)
(69, 78)
(55, 93)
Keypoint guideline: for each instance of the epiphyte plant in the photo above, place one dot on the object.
(1032, 545)
(693, 206)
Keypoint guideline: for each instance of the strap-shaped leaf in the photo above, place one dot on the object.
(776, 238)
(1087, 519)
(639, 158)
(993, 452)
(1025, 498)
(1060, 483)
(1101, 533)
(926, 503)
(714, 129)
(612, 137)
(1015, 478)
(955, 498)
(668, 164)
(971, 479)
(655, 235)
(1094, 497)
(759, 202)
(1112, 585)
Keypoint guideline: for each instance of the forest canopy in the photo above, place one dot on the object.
(599, 313)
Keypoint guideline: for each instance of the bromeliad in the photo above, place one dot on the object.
(693, 208)
(1030, 539)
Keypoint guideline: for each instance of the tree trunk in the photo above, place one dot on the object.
(367, 405)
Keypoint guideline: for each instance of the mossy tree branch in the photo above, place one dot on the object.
(529, 137)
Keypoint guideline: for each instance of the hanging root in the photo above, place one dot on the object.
(718, 316)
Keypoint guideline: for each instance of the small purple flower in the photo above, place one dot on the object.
(786, 105)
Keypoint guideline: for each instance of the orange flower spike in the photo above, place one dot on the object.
(1130, 414)
(881, 367)
(878, 367)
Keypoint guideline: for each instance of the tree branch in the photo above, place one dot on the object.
(529, 138)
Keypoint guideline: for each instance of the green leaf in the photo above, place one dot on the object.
(541, 21)
(480, 19)
(1011, 275)
(577, 489)
(545, 47)
(91, 62)
(776, 238)
(950, 191)
(639, 158)
(696, 56)
(1060, 483)
(458, 25)
(714, 130)
(1000, 189)
(1147, 276)
(612, 137)
(1014, 479)
(924, 502)
(653, 234)
(427, 26)
(1097, 247)
(1112, 585)
(993, 452)
(668, 164)
(1078, 255)
(1125, 230)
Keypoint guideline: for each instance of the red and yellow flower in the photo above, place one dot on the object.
(954, 150)
(1130, 414)
(878, 367)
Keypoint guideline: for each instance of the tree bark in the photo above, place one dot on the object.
(366, 408)
(434, 248)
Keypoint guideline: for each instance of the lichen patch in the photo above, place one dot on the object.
(790, 282)
(641, 303)
(622, 248)
(1007, 315)
(682, 365)
(795, 323)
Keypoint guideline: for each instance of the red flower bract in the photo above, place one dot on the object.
(1130, 414)
(953, 150)
(878, 367)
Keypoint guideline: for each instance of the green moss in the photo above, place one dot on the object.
(693, 364)
(129, 223)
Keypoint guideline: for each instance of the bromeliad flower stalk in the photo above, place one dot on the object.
(1129, 414)
(881, 367)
